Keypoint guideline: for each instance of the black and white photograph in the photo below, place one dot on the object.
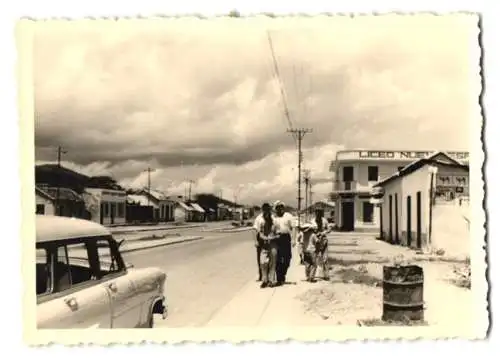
(253, 176)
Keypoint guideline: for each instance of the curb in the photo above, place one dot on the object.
(118, 232)
(193, 238)
(230, 230)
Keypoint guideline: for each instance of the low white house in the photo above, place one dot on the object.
(164, 206)
(419, 197)
(106, 206)
(199, 213)
(44, 202)
(183, 212)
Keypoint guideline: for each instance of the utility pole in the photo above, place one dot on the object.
(149, 170)
(307, 179)
(235, 199)
(299, 134)
(310, 195)
(60, 151)
(190, 183)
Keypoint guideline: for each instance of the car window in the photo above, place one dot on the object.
(43, 274)
(72, 266)
(108, 261)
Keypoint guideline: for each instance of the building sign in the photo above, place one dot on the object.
(452, 181)
(373, 154)
(451, 186)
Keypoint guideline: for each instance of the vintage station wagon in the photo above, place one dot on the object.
(83, 282)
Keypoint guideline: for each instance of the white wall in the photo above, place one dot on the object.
(48, 204)
(409, 186)
(417, 181)
(180, 214)
(109, 198)
(391, 189)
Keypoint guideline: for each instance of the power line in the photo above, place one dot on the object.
(280, 83)
(299, 133)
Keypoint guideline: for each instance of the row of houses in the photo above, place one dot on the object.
(117, 207)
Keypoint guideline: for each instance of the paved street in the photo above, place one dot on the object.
(203, 275)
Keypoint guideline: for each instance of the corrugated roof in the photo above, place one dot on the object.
(43, 193)
(64, 194)
(137, 198)
(197, 208)
(156, 194)
(185, 206)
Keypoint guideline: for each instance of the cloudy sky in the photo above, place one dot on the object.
(198, 99)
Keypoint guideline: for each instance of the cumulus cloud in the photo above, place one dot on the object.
(197, 99)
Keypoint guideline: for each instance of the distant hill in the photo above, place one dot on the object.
(53, 175)
(211, 201)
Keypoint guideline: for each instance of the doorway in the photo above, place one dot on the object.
(367, 212)
(419, 220)
(381, 211)
(396, 219)
(348, 216)
(408, 220)
(390, 219)
(101, 214)
(112, 212)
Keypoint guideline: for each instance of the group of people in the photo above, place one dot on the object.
(275, 239)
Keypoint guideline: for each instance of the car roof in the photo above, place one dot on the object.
(55, 228)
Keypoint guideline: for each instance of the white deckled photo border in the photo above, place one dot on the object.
(232, 334)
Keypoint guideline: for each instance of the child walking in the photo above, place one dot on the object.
(320, 226)
(307, 240)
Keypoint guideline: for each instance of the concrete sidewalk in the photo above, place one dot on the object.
(354, 292)
(278, 306)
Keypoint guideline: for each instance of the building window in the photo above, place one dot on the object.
(40, 209)
(105, 209)
(367, 212)
(373, 173)
(348, 174)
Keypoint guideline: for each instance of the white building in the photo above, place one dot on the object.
(199, 213)
(421, 203)
(355, 174)
(45, 203)
(163, 206)
(183, 212)
(106, 206)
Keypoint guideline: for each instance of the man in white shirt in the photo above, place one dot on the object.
(285, 241)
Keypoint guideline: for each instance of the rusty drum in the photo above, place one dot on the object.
(403, 293)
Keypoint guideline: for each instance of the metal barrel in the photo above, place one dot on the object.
(403, 293)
